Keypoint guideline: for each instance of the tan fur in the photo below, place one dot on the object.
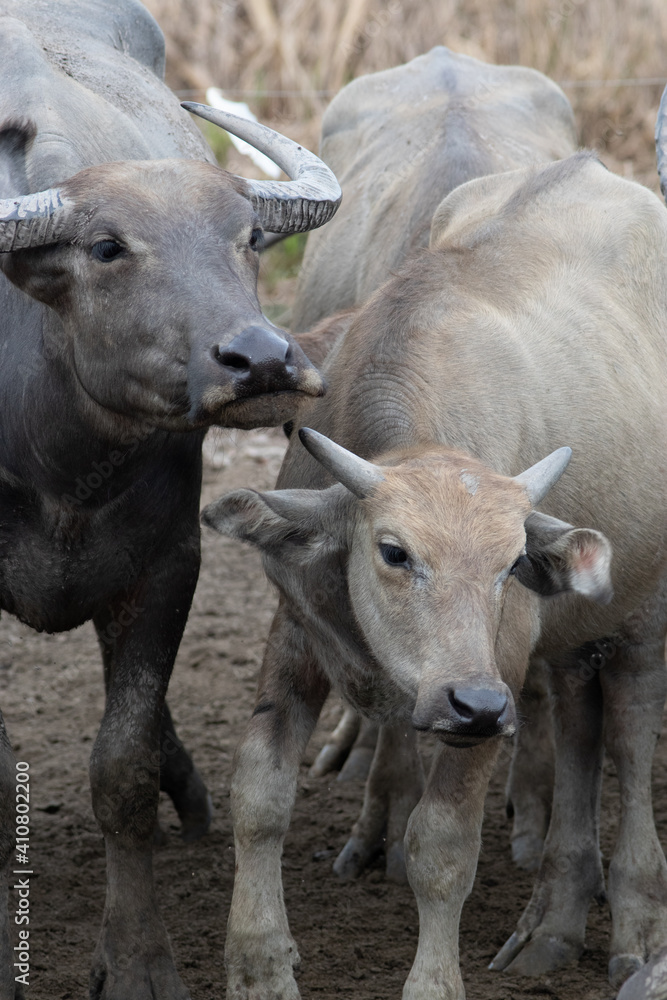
(318, 342)
(399, 141)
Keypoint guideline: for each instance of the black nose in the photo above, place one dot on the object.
(258, 360)
(460, 714)
(478, 709)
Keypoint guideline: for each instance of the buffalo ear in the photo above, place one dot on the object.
(243, 514)
(273, 518)
(561, 559)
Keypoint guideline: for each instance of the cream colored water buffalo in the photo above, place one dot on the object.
(398, 142)
(420, 586)
(650, 981)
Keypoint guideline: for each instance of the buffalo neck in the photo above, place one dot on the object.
(54, 439)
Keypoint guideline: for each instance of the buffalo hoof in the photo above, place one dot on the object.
(355, 856)
(350, 749)
(276, 989)
(333, 755)
(136, 978)
(621, 967)
(330, 758)
(357, 765)
(527, 851)
(261, 969)
(649, 983)
(536, 957)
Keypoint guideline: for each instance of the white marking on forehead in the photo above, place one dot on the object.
(470, 482)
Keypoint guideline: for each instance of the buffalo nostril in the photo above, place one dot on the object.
(258, 358)
(463, 710)
(232, 359)
(479, 706)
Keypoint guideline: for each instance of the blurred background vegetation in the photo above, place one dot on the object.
(287, 58)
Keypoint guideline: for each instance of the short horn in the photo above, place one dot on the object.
(311, 196)
(539, 478)
(661, 143)
(359, 476)
(32, 220)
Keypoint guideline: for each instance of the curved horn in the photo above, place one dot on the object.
(32, 220)
(539, 478)
(661, 143)
(306, 201)
(359, 476)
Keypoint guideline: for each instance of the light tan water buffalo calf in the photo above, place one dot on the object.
(399, 141)
(419, 583)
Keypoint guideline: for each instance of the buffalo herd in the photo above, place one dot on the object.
(472, 503)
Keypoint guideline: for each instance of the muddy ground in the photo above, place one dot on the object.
(356, 940)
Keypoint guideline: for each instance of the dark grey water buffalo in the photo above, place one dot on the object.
(421, 582)
(399, 141)
(129, 322)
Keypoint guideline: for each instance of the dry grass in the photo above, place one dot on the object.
(309, 46)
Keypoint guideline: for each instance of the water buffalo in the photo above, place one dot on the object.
(650, 981)
(400, 141)
(420, 583)
(130, 323)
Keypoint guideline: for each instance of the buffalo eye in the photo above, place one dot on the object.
(517, 564)
(256, 239)
(106, 250)
(393, 555)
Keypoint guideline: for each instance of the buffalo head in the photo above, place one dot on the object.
(441, 555)
(152, 269)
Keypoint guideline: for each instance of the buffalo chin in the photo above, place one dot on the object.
(269, 410)
(459, 741)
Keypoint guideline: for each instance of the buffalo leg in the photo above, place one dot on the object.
(358, 764)
(393, 789)
(7, 844)
(551, 931)
(634, 686)
(181, 780)
(133, 956)
(179, 777)
(441, 850)
(649, 983)
(260, 952)
(349, 749)
(337, 748)
(530, 782)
